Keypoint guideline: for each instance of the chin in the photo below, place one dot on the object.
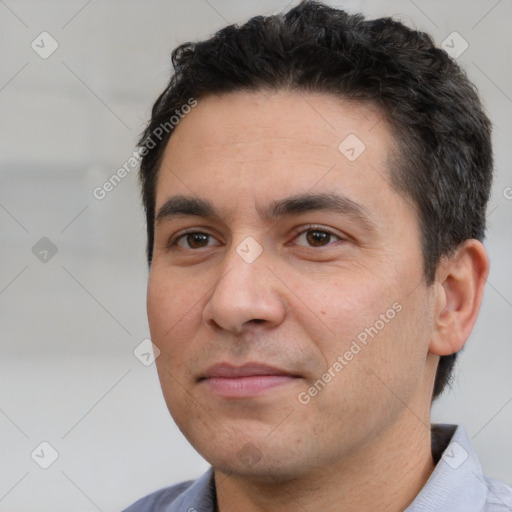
(265, 464)
(263, 471)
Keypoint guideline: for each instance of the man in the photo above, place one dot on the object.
(315, 187)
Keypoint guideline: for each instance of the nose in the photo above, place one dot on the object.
(245, 294)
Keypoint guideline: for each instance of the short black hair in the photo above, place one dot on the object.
(444, 160)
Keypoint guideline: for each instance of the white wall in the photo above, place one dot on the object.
(68, 326)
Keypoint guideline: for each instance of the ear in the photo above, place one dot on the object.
(459, 287)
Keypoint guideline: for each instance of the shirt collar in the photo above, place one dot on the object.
(199, 497)
(457, 483)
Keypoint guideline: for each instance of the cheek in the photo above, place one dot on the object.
(379, 371)
(373, 325)
(345, 308)
(173, 310)
(394, 348)
(172, 321)
(160, 310)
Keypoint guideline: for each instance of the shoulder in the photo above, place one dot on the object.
(159, 500)
(499, 496)
(193, 495)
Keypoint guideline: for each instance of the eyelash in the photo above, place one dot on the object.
(312, 227)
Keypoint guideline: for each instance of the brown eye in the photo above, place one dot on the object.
(317, 237)
(193, 240)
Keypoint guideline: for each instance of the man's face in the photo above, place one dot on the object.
(331, 300)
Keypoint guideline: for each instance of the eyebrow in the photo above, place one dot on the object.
(178, 206)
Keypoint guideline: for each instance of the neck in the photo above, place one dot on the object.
(386, 475)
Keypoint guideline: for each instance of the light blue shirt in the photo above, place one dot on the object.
(457, 484)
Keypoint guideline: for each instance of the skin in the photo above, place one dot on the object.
(365, 437)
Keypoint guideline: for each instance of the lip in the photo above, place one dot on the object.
(250, 379)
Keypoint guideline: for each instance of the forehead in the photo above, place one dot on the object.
(274, 144)
(279, 118)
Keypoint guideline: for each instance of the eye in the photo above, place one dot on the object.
(194, 240)
(316, 236)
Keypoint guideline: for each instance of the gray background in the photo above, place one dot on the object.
(69, 326)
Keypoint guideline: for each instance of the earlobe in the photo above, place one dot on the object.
(458, 290)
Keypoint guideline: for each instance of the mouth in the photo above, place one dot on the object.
(251, 379)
